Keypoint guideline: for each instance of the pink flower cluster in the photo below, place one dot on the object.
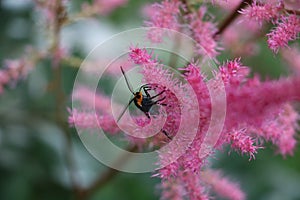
(262, 12)
(163, 15)
(167, 15)
(222, 185)
(257, 107)
(287, 25)
(13, 71)
(203, 33)
(256, 112)
(287, 29)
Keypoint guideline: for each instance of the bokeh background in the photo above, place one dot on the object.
(34, 150)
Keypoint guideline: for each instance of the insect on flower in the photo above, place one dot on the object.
(141, 101)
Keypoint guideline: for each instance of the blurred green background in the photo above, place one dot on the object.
(33, 159)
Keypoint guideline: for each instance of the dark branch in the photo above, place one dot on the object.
(232, 17)
(107, 176)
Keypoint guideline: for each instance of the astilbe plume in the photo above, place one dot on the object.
(222, 185)
(203, 32)
(280, 13)
(163, 15)
(262, 12)
(183, 170)
(251, 105)
(255, 110)
(167, 14)
(88, 120)
(13, 71)
(287, 29)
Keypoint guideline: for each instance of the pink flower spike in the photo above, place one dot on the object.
(163, 15)
(91, 121)
(222, 186)
(13, 71)
(287, 123)
(262, 12)
(140, 56)
(288, 29)
(172, 189)
(241, 141)
(234, 73)
(203, 32)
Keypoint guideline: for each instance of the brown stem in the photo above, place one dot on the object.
(295, 12)
(107, 176)
(60, 96)
(188, 8)
(232, 17)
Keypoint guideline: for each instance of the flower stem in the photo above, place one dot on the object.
(105, 177)
(232, 17)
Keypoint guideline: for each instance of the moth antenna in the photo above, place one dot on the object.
(124, 110)
(127, 82)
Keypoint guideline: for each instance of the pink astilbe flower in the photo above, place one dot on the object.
(90, 100)
(164, 15)
(13, 71)
(256, 110)
(222, 186)
(91, 121)
(151, 72)
(287, 29)
(172, 189)
(183, 170)
(253, 106)
(193, 185)
(240, 140)
(185, 185)
(203, 32)
(282, 130)
(192, 74)
(262, 12)
(141, 56)
(164, 80)
(234, 73)
(101, 117)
